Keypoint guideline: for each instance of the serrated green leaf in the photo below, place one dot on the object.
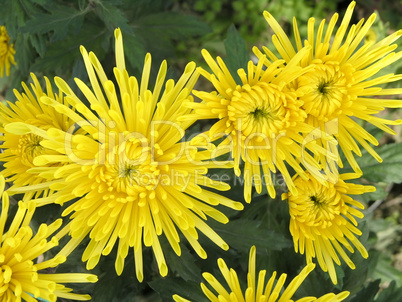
(113, 288)
(112, 16)
(183, 265)
(16, 18)
(368, 293)
(171, 25)
(63, 54)
(242, 234)
(39, 43)
(158, 32)
(273, 214)
(107, 288)
(79, 71)
(167, 287)
(60, 20)
(236, 51)
(388, 171)
(17, 12)
(136, 49)
(23, 55)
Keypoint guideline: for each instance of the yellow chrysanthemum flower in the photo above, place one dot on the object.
(343, 86)
(132, 176)
(21, 277)
(261, 120)
(7, 52)
(323, 220)
(257, 290)
(20, 150)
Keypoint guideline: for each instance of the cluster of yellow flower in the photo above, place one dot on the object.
(119, 158)
(7, 52)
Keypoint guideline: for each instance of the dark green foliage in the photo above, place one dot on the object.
(168, 286)
(159, 32)
(373, 293)
(61, 19)
(241, 234)
(237, 54)
(390, 294)
(185, 265)
(47, 34)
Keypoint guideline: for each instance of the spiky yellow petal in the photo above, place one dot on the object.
(261, 118)
(133, 177)
(257, 289)
(23, 276)
(344, 84)
(323, 219)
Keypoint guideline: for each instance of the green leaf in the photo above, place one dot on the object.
(157, 33)
(167, 287)
(237, 54)
(123, 288)
(171, 25)
(112, 16)
(184, 265)
(63, 54)
(242, 234)
(17, 13)
(388, 171)
(60, 21)
(24, 55)
(368, 293)
(136, 46)
(160, 30)
(39, 43)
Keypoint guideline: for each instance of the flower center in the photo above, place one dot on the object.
(328, 93)
(315, 199)
(323, 88)
(29, 147)
(259, 113)
(259, 110)
(126, 171)
(128, 175)
(317, 206)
